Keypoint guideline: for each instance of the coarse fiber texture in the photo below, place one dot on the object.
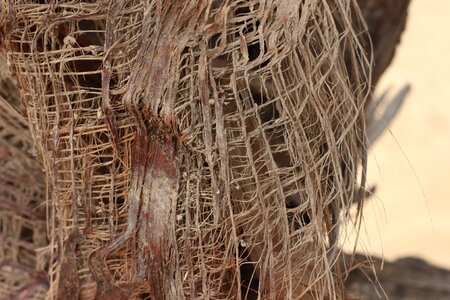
(194, 149)
(23, 235)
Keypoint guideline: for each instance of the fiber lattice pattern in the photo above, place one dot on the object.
(22, 211)
(194, 149)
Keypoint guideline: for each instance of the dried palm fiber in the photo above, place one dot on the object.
(194, 149)
(386, 21)
(22, 211)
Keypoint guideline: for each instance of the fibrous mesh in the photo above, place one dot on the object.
(193, 149)
(23, 235)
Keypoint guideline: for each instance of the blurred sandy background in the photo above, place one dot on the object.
(410, 215)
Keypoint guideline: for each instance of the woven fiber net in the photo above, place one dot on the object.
(22, 215)
(193, 149)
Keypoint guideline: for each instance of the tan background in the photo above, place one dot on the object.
(410, 215)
